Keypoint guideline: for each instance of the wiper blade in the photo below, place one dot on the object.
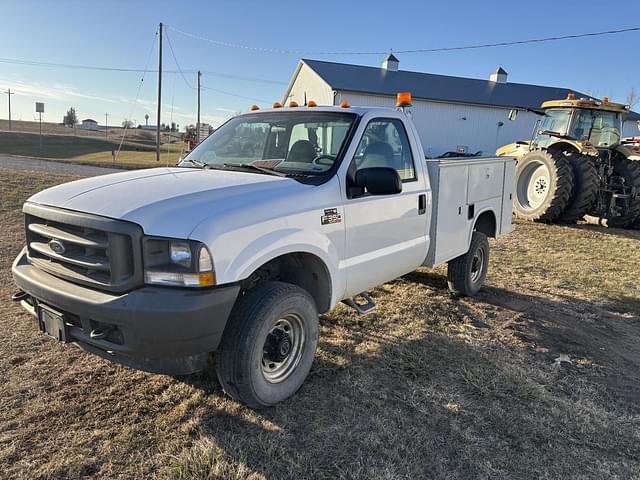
(195, 163)
(255, 168)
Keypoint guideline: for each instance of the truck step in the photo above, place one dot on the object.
(361, 303)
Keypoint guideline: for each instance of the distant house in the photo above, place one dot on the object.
(89, 124)
(455, 113)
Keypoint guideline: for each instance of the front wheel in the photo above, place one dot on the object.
(269, 344)
(466, 273)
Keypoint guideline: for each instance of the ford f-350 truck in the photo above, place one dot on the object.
(276, 217)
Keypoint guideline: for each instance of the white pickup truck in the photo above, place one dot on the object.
(278, 216)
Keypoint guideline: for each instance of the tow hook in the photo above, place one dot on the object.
(101, 332)
(19, 296)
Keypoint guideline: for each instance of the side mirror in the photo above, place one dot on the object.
(379, 180)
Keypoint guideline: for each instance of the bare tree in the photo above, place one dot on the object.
(70, 119)
(632, 97)
(127, 123)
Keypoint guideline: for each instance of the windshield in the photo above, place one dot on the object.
(556, 121)
(600, 128)
(288, 142)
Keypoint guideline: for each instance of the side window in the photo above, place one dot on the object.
(385, 144)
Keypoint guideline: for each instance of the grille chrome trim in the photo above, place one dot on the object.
(99, 252)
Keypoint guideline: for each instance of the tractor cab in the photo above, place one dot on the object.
(589, 124)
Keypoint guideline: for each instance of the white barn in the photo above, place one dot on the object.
(451, 113)
(89, 124)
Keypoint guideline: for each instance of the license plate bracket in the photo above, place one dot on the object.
(52, 323)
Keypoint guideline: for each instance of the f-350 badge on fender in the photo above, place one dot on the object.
(331, 215)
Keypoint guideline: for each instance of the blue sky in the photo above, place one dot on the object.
(121, 33)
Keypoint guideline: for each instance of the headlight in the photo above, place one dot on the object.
(180, 263)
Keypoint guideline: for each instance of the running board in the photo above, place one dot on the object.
(356, 302)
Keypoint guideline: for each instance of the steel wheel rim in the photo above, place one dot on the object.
(477, 264)
(283, 347)
(534, 185)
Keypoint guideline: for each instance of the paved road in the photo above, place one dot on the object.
(38, 165)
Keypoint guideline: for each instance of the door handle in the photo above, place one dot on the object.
(422, 204)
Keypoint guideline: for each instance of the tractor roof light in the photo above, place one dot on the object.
(403, 99)
(571, 96)
(605, 100)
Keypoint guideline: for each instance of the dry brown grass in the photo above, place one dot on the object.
(430, 386)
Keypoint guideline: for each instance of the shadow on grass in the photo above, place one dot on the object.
(429, 404)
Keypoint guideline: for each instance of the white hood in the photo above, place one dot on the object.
(166, 201)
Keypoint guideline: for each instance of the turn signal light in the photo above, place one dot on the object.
(254, 107)
(293, 103)
(403, 99)
(311, 103)
(276, 105)
(206, 279)
(345, 104)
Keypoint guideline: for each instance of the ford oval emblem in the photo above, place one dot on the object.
(57, 246)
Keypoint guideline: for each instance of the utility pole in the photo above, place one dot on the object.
(159, 95)
(198, 122)
(106, 126)
(9, 93)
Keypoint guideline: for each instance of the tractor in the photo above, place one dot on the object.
(577, 164)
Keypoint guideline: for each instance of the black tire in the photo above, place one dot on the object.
(544, 184)
(466, 274)
(253, 339)
(585, 188)
(630, 171)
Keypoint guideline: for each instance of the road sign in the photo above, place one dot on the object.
(204, 132)
(39, 107)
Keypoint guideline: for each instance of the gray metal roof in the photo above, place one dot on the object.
(443, 88)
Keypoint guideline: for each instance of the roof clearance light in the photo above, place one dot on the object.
(311, 103)
(403, 99)
(345, 104)
(254, 107)
(571, 96)
(276, 105)
(605, 100)
(293, 103)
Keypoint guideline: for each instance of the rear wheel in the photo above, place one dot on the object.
(466, 273)
(585, 188)
(269, 345)
(544, 183)
(629, 172)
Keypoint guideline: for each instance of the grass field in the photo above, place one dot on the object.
(537, 377)
(97, 151)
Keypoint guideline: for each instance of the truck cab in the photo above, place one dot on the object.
(279, 215)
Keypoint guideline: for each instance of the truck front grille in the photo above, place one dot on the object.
(95, 251)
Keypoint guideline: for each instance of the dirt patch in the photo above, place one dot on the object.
(537, 377)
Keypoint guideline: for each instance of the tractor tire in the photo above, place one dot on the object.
(544, 184)
(630, 171)
(585, 188)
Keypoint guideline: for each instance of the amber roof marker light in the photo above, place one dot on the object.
(403, 99)
(254, 107)
(293, 104)
(345, 104)
(276, 105)
(311, 103)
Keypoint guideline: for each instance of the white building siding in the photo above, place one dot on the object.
(630, 129)
(442, 128)
(309, 82)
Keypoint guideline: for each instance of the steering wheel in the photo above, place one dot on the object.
(327, 160)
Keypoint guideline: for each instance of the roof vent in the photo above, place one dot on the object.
(499, 76)
(391, 63)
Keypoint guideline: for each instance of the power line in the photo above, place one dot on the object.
(34, 63)
(221, 43)
(262, 100)
(173, 54)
